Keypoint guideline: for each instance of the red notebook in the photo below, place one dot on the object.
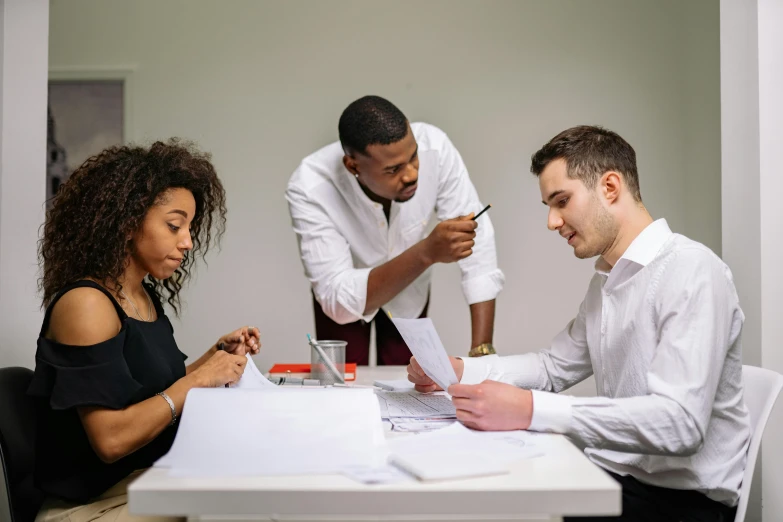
(303, 370)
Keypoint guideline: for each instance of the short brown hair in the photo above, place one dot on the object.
(589, 152)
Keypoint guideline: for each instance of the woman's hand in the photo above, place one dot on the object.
(242, 341)
(220, 369)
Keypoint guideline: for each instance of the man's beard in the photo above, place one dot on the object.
(605, 230)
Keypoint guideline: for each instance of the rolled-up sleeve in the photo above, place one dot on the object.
(339, 287)
(482, 280)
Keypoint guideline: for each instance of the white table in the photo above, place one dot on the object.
(563, 482)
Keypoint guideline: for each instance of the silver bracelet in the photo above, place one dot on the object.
(171, 405)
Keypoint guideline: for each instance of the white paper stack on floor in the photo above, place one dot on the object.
(273, 431)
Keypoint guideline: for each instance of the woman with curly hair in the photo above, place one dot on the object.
(122, 234)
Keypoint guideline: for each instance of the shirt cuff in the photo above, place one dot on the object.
(551, 412)
(476, 369)
(346, 303)
(485, 287)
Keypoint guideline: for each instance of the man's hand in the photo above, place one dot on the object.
(451, 240)
(492, 406)
(423, 383)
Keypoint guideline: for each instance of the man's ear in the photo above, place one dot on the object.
(350, 165)
(611, 184)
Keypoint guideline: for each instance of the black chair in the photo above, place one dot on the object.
(17, 442)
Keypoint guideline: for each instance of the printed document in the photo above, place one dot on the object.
(426, 346)
(414, 404)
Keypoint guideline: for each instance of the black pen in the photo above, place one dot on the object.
(221, 348)
(477, 215)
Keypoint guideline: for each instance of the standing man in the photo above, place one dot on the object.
(660, 327)
(359, 208)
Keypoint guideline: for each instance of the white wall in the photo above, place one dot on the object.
(23, 50)
(261, 84)
(752, 131)
(770, 85)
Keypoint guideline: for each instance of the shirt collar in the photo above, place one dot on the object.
(644, 248)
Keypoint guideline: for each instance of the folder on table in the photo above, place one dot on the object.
(303, 371)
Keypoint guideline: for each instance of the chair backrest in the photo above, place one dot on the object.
(762, 388)
(17, 442)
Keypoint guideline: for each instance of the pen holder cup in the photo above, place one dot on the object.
(335, 351)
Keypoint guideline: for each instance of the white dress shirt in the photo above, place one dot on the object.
(343, 234)
(661, 331)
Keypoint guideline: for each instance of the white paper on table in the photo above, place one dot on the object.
(419, 425)
(252, 378)
(449, 453)
(426, 346)
(457, 451)
(518, 443)
(387, 474)
(395, 384)
(238, 432)
(415, 404)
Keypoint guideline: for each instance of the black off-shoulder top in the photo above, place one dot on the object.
(140, 361)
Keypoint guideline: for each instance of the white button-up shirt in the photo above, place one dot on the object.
(661, 332)
(343, 234)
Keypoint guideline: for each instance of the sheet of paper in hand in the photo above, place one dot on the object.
(426, 346)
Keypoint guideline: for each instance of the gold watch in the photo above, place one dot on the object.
(482, 350)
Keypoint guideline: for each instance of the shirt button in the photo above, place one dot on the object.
(381, 224)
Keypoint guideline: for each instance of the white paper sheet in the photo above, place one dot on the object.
(457, 451)
(415, 404)
(252, 378)
(518, 444)
(273, 431)
(453, 452)
(387, 474)
(419, 425)
(426, 346)
(394, 384)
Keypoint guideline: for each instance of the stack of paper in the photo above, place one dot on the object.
(273, 431)
(407, 409)
(412, 411)
(413, 404)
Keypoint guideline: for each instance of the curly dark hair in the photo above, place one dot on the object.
(104, 202)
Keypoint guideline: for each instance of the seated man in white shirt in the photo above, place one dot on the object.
(660, 329)
(360, 207)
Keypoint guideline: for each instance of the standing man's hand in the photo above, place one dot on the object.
(492, 406)
(451, 240)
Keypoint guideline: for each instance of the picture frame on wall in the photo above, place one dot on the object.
(87, 113)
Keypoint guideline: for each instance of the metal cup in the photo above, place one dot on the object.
(335, 351)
